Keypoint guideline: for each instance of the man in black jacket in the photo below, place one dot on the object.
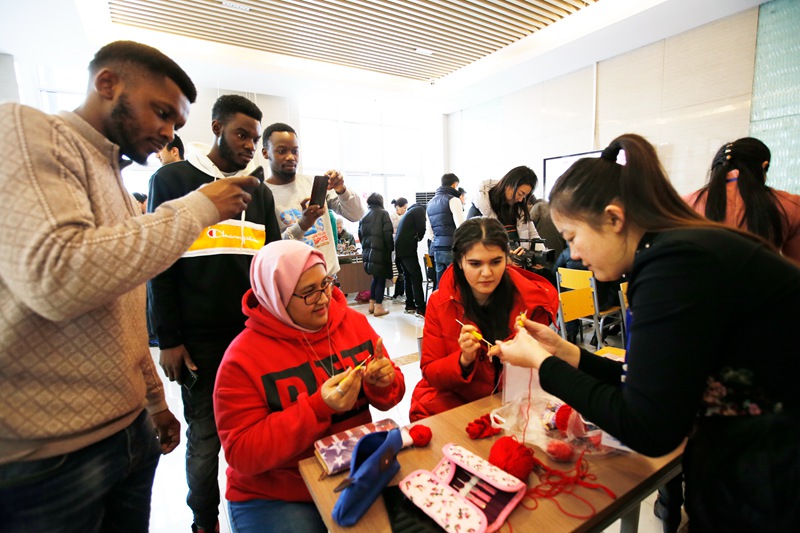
(197, 302)
(411, 230)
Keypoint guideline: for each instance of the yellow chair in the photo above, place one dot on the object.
(428, 280)
(623, 308)
(575, 279)
(576, 305)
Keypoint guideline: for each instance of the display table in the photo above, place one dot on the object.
(632, 477)
(352, 277)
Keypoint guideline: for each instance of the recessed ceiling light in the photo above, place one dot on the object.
(234, 5)
(424, 51)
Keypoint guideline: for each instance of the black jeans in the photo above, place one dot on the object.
(202, 441)
(415, 296)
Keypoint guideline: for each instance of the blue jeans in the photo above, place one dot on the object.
(377, 289)
(275, 516)
(442, 259)
(104, 487)
(202, 440)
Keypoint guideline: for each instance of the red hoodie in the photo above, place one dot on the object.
(443, 386)
(267, 399)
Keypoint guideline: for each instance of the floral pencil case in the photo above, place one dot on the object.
(464, 490)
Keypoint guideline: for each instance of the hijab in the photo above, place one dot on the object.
(274, 274)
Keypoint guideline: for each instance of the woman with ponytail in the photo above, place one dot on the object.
(737, 194)
(708, 356)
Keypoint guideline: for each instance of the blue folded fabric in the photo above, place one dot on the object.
(373, 465)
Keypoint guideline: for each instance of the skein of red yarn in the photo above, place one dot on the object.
(513, 457)
(562, 417)
(421, 435)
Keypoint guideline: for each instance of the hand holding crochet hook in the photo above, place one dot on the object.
(470, 340)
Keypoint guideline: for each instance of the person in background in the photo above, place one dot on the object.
(695, 367)
(141, 199)
(487, 294)
(172, 152)
(83, 412)
(288, 380)
(345, 237)
(462, 195)
(375, 234)
(410, 232)
(540, 216)
(444, 214)
(292, 191)
(196, 303)
(400, 206)
(507, 201)
(738, 195)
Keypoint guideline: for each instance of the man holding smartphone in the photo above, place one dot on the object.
(297, 217)
(197, 302)
(83, 413)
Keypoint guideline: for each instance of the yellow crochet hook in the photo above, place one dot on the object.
(477, 335)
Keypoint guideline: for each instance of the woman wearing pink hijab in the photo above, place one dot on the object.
(288, 380)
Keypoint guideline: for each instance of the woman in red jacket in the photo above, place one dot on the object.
(288, 380)
(484, 292)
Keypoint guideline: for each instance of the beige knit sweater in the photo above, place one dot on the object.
(74, 253)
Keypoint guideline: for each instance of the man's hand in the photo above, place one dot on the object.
(310, 214)
(336, 181)
(168, 430)
(230, 195)
(172, 361)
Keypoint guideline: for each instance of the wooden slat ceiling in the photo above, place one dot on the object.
(376, 35)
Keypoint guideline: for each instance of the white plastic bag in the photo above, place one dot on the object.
(530, 419)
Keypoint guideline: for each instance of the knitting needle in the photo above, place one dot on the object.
(477, 335)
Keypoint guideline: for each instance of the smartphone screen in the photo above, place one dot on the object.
(319, 191)
(189, 377)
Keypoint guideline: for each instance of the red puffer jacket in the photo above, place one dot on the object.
(443, 386)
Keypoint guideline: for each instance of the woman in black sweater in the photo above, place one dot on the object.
(708, 356)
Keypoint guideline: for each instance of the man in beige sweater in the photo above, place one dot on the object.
(80, 394)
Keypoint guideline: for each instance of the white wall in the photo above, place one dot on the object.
(687, 94)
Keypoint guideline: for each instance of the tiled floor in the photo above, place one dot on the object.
(400, 333)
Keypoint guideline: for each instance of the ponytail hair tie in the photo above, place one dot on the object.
(611, 152)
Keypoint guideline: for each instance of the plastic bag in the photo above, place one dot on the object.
(535, 416)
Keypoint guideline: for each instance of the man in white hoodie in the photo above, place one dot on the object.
(196, 303)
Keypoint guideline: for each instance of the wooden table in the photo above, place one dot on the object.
(352, 277)
(632, 477)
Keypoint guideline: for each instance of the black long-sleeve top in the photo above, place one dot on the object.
(706, 304)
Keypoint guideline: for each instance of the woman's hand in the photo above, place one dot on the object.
(380, 371)
(470, 342)
(341, 391)
(518, 251)
(523, 350)
(549, 339)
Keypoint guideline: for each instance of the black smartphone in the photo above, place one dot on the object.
(189, 378)
(259, 175)
(319, 191)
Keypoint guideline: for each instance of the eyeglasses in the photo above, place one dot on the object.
(313, 297)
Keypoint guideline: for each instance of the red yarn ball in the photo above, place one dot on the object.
(562, 417)
(421, 435)
(560, 451)
(513, 457)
